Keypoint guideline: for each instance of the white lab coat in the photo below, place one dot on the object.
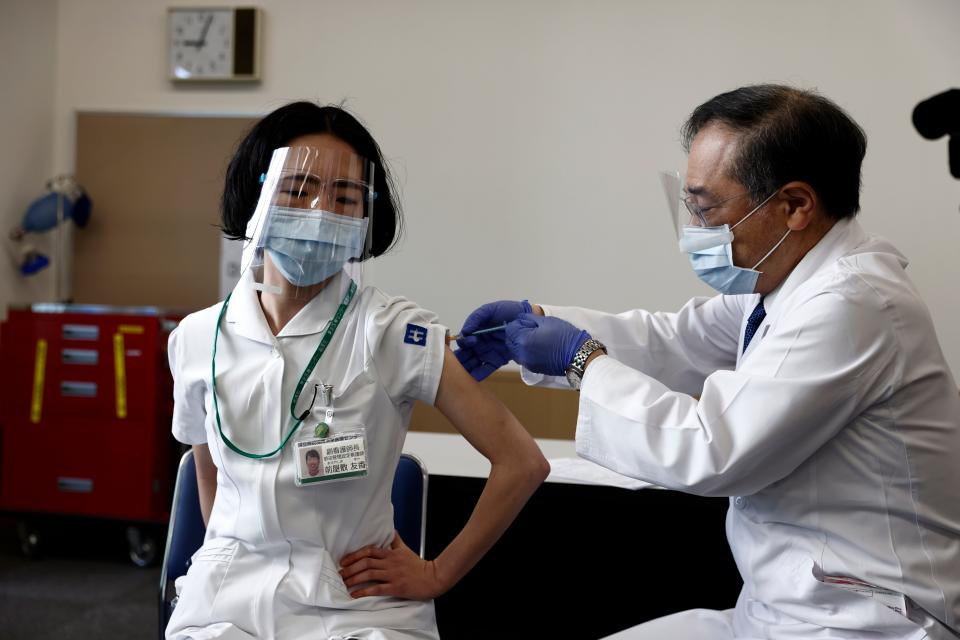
(268, 565)
(837, 436)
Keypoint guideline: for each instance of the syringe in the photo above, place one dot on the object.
(477, 333)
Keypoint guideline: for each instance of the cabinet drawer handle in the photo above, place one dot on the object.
(81, 332)
(79, 356)
(79, 389)
(75, 485)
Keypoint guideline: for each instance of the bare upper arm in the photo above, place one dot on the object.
(203, 461)
(479, 416)
(206, 479)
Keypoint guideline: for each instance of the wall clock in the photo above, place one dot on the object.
(214, 44)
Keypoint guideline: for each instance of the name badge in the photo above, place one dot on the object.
(340, 457)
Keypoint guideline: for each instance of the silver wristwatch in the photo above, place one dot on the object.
(575, 370)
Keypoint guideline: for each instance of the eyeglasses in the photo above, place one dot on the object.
(307, 191)
(698, 212)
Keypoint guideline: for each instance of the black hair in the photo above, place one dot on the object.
(788, 134)
(312, 453)
(252, 159)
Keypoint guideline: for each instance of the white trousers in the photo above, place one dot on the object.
(696, 624)
(706, 624)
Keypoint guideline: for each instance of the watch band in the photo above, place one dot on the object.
(576, 368)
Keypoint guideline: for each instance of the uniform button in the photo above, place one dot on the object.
(276, 354)
(739, 502)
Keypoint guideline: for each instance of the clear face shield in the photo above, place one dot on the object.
(673, 192)
(691, 226)
(686, 212)
(695, 222)
(312, 224)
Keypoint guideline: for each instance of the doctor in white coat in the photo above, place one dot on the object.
(812, 391)
(296, 393)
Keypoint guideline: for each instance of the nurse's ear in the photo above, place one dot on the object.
(801, 203)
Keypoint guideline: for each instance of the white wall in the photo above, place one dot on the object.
(527, 132)
(28, 43)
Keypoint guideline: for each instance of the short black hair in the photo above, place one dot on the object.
(312, 453)
(252, 159)
(788, 134)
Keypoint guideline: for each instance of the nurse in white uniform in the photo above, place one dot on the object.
(812, 391)
(296, 393)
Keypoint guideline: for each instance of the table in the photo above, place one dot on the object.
(580, 561)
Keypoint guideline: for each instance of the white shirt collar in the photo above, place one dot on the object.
(313, 318)
(246, 314)
(844, 236)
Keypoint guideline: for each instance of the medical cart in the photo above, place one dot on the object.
(85, 410)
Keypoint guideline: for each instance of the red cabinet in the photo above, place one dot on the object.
(85, 406)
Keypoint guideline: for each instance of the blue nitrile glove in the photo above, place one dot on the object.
(482, 355)
(544, 344)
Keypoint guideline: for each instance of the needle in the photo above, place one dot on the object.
(478, 332)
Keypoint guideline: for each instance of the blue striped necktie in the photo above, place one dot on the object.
(753, 322)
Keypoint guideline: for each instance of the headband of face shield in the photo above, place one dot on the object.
(313, 223)
(710, 247)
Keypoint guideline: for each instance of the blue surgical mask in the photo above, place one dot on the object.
(711, 256)
(309, 246)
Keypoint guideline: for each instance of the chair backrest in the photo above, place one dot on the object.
(409, 498)
(184, 535)
(186, 531)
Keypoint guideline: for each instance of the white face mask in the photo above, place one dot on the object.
(310, 246)
(711, 256)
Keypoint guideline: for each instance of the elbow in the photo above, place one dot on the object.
(530, 468)
(705, 488)
(742, 474)
(535, 465)
(539, 469)
(684, 474)
(523, 459)
(536, 472)
(726, 482)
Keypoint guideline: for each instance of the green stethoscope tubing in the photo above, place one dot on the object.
(324, 342)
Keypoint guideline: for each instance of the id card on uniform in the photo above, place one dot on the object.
(339, 457)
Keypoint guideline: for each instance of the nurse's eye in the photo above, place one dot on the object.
(347, 194)
(300, 186)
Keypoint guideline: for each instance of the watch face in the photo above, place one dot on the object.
(201, 44)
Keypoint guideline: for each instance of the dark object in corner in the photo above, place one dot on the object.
(938, 116)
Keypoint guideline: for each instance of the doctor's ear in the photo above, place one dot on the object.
(801, 202)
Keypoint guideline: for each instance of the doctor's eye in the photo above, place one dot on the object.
(692, 207)
(704, 211)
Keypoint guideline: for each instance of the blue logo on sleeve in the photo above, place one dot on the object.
(416, 335)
